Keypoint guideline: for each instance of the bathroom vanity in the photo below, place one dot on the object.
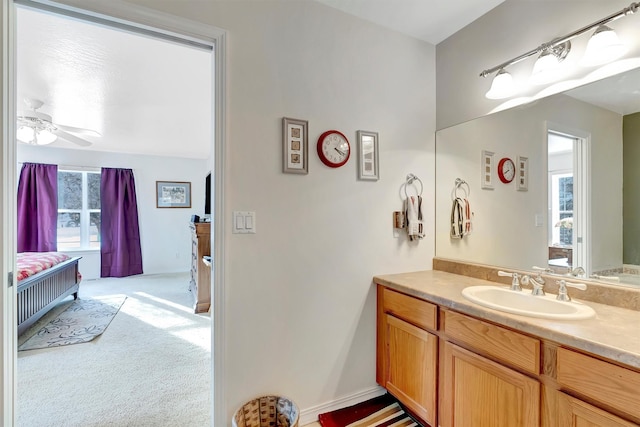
(454, 363)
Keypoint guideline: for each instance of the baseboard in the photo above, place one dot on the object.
(310, 415)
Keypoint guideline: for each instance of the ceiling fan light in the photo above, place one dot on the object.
(44, 137)
(604, 46)
(25, 134)
(502, 86)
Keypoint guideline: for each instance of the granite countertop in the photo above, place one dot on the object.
(614, 333)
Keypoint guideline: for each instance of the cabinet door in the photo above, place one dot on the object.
(412, 367)
(576, 413)
(478, 392)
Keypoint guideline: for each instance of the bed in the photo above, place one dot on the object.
(44, 279)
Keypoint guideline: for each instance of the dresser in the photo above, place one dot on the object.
(199, 285)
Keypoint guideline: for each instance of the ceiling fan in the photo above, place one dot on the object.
(37, 128)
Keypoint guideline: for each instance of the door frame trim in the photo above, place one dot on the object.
(129, 14)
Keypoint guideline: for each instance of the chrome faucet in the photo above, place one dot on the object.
(578, 271)
(515, 280)
(562, 289)
(537, 285)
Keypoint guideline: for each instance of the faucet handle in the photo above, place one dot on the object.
(580, 286)
(562, 289)
(515, 279)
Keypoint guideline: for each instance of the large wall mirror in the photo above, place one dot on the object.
(574, 203)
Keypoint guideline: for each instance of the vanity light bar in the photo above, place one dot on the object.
(630, 10)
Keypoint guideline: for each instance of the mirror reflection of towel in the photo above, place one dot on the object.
(413, 215)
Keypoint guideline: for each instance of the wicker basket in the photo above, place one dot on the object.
(267, 411)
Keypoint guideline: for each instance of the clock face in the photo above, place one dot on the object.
(506, 170)
(333, 148)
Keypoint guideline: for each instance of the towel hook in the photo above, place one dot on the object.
(460, 184)
(411, 178)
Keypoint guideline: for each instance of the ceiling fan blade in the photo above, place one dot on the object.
(81, 131)
(72, 138)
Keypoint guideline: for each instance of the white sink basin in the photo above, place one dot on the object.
(525, 304)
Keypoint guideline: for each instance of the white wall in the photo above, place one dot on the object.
(164, 233)
(504, 223)
(509, 30)
(300, 302)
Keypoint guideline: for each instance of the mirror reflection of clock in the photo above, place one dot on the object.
(506, 170)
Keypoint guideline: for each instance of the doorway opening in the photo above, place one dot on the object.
(125, 16)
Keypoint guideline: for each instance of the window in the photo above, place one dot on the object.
(78, 210)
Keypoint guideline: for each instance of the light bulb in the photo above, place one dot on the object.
(545, 69)
(25, 134)
(44, 137)
(604, 46)
(502, 86)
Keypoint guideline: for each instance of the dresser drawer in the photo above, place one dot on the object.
(501, 344)
(604, 382)
(416, 311)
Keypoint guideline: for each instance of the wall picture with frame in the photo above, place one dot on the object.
(368, 155)
(173, 194)
(295, 146)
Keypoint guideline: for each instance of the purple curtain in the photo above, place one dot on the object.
(38, 208)
(120, 250)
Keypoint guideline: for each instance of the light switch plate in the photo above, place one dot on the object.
(244, 222)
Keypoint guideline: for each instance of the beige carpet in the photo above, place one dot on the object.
(151, 367)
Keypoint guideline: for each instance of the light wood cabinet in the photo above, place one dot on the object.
(479, 392)
(454, 370)
(573, 412)
(499, 343)
(200, 283)
(412, 357)
(604, 383)
(408, 356)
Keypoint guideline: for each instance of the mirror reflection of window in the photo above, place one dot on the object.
(562, 208)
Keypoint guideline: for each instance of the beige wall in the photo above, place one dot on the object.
(631, 198)
(300, 304)
(509, 30)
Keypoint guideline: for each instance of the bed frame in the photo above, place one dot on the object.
(39, 293)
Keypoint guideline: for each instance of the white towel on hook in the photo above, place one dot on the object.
(461, 218)
(413, 215)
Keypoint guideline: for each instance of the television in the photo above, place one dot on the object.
(207, 195)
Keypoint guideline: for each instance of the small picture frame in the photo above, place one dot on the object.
(173, 194)
(368, 155)
(486, 169)
(522, 174)
(295, 146)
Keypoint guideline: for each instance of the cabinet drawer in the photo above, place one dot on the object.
(604, 382)
(413, 310)
(499, 343)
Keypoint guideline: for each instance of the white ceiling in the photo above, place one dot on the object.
(431, 21)
(144, 95)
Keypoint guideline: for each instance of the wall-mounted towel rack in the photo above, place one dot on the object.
(411, 179)
(460, 186)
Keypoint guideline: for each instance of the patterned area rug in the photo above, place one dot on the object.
(382, 411)
(82, 321)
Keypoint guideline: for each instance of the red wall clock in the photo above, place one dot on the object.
(506, 170)
(333, 148)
